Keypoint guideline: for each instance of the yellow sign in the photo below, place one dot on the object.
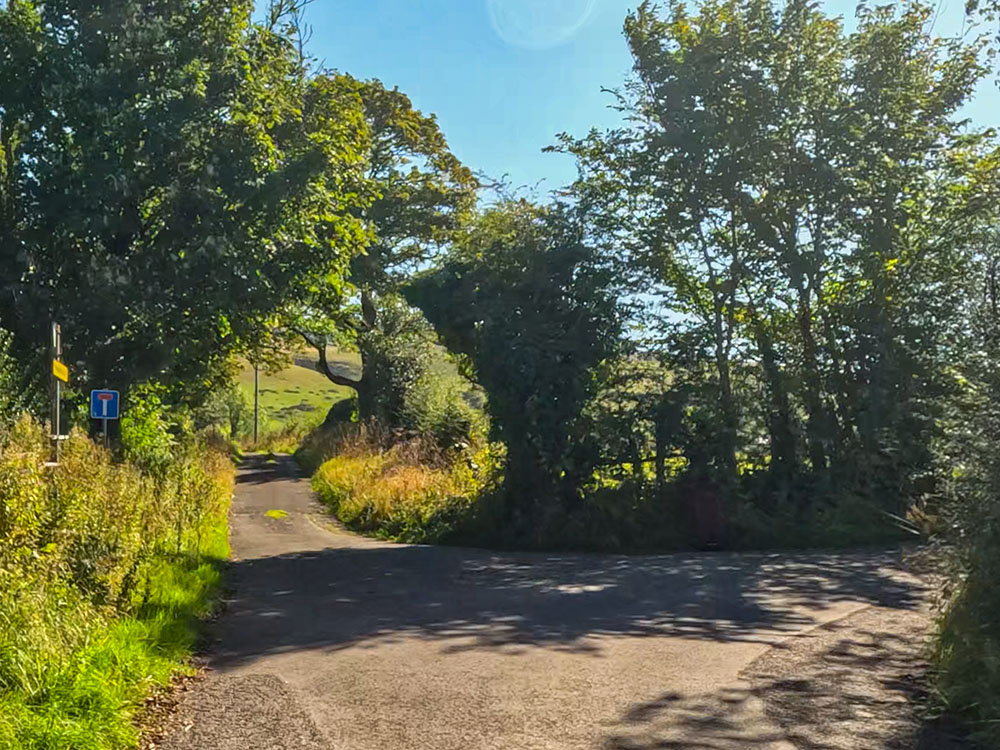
(60, 370)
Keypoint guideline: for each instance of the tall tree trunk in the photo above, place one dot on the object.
(878, 401)
(727, 452)
(660, 440)
(843, 390)
(369, 319)
(362, 385)
(319, 343)
(8, 184)
(638, 467)
(367, 408)
(782, 439)
(816, 428)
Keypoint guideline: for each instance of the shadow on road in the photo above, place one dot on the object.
(859, 683)
(260, 468)
(841, 687)
(335, 598)
(362, 595)
(718, 721)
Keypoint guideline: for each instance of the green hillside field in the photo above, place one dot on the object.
(298, 393)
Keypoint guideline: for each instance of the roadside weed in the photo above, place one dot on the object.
(105, 573)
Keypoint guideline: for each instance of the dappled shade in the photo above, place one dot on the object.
(481, 600)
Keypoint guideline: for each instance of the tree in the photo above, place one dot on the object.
(724, 104)
(804, 203)
(169, 179)
(524, 297)
(424, 194)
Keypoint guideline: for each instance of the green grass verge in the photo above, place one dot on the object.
(88, 696)
(408, 493)
(967, 648)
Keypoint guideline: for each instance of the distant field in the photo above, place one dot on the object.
(299, 393)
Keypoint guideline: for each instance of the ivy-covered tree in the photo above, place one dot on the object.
(524, 297)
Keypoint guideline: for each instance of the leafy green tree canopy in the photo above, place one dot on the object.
(422, 195)
(526, 300)
(169, 178)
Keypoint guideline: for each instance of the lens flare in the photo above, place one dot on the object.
(538, 24)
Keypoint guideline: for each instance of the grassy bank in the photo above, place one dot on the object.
(967, 647)
(295, 399)
(410, 492)
(105, 573)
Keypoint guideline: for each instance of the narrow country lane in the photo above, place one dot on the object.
(334, 641)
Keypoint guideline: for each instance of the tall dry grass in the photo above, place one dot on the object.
(104, 572)
(410, 491)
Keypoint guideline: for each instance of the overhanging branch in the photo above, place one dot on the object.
(318, 343)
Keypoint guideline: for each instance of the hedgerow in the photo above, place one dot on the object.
(105, 571)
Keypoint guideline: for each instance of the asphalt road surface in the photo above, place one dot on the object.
(333, 641)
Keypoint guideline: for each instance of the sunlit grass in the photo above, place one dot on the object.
(397, 493)
(99, 601)
(297, 394)
(967, 648)
(86, 698)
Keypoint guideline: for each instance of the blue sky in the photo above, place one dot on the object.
(505, 76)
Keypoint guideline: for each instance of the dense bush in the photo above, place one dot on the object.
(527, 300)
(966, 515)
(284, 437)
(228, 408)
(104, 570)
(147, 439)
(323, 443)
(967, 650)
(410, 384)
(20, 389)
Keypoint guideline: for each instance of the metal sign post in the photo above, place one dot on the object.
(60, 375)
